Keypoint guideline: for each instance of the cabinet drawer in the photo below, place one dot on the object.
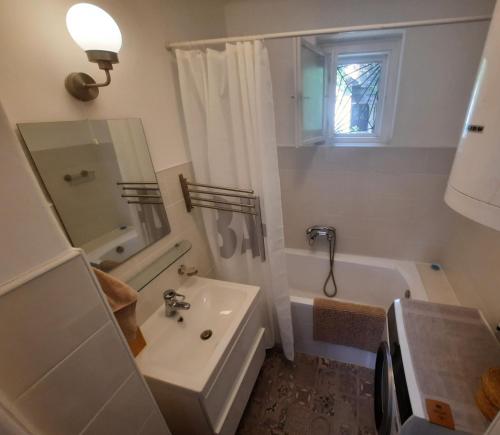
(231, 415)
(216, 398)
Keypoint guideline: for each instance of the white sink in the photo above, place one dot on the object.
(175, 352)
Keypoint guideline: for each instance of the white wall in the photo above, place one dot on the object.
(471, 262)
(438, 65)
(64, 389)
(439, 61)
(28, 236)
(438, 69)
(431, 117)
(384, 201)
(143, 86)
(262, 16)
(39, 53)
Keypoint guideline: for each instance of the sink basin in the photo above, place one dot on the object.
(175, 352)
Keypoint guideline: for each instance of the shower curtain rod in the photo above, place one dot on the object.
(387, 26)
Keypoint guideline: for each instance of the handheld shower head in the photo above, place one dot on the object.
(312, 233)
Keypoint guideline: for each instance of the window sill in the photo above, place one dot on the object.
(357, 144)
(347, 144)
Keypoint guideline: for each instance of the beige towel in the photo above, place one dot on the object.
(354, 325)
(122, 300)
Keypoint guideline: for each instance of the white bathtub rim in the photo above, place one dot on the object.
(407, 269)
(308, 300)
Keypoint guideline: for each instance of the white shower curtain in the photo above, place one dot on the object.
(228, 109)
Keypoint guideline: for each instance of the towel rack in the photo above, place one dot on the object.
(146, 192)
(144, 202)
(214, 197)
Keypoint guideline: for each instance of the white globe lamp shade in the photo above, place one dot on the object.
(92, 28)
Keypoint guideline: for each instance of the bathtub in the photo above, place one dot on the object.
(364, 280)
(104, 247)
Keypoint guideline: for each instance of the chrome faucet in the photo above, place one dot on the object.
(174, 301)
(312, 233)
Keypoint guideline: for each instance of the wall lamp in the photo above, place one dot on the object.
(97, 33)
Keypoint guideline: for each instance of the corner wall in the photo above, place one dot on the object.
(471, 260)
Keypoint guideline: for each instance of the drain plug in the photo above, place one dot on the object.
(206, 334)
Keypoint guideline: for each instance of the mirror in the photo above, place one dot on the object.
(399, 88)
(100, 180)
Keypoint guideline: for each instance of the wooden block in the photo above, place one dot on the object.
(487, 408)
(491, 385)
(440, 413)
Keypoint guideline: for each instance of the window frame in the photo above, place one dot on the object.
(362, 45)
(383, 46)
(324, 137)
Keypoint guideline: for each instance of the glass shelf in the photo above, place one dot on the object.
(145, 276)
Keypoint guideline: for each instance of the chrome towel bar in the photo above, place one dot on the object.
(231, 189)
(150, 196)
(123, 183)
(209, 192)
(140, 188)
(141, 196)
(216, 196)
(144, 202)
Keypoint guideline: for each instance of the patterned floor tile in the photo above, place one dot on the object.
(310, 396)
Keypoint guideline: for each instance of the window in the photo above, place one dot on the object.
(349, 88)
(357, 88)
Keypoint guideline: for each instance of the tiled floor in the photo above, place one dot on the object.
(311, 396)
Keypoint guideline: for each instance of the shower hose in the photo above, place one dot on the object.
(331, 242)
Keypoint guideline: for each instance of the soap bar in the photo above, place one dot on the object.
(440, 413)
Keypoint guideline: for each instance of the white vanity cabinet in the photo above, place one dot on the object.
(202, 386)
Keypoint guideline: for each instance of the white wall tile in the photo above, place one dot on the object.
(43, 321)
(68, 397)
(168, 180)
(440, 160)
(399, 160)
(383, 201)
(125, 413)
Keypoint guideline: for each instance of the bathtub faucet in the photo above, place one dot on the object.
(312, 233)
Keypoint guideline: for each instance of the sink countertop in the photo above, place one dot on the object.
(175, 353)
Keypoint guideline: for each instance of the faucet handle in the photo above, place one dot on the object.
(171, 294)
